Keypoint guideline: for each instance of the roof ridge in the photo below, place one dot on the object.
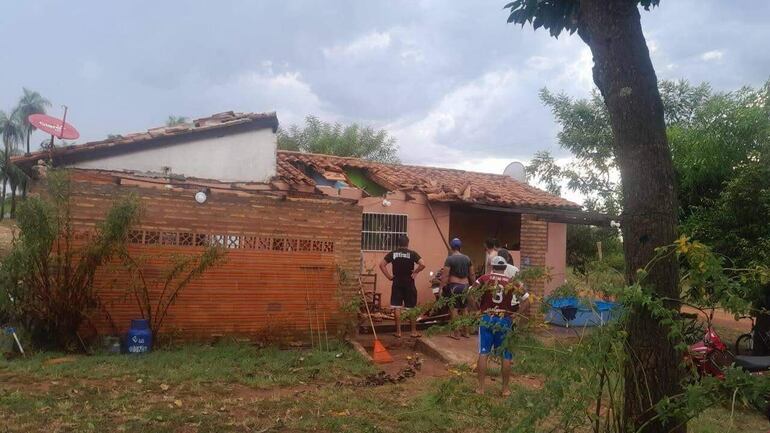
(214, 121)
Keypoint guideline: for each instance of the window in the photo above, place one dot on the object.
(380, 232)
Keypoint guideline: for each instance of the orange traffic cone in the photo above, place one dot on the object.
(380, 355)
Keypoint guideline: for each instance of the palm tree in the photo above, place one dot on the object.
(176, 120)
(31, 102)
(12, 134)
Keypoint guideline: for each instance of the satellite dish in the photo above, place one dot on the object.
(56, 127)
(516, 171)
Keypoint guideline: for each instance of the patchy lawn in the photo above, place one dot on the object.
(238, 388)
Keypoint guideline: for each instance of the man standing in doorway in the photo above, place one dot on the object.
(403, 292)
(456, 277)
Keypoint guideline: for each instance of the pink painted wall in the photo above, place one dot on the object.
(424, 237)
(556, 255)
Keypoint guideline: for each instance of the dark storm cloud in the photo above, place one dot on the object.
(452, 81)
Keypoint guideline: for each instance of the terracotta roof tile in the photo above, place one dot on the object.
(439, 184)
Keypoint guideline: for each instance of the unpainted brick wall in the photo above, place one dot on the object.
(259, 294)
(534, 244)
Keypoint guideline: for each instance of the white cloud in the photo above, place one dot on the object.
(712, 55)
(466, 111)
(579, 72)
(541, 63)
(264, 90)
(369, 42)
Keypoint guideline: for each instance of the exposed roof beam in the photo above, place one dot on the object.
(566, 216)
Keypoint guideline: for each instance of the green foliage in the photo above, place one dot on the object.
(156, 290)
(715, 138)
(585, 393)
(553, 15)
(720, 144)
(176, 120)
(46, 281)
(586, 133)
(582, 248)
(352, 140)
(30, 103)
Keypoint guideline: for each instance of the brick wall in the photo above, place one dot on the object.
(291, 262)
(534, 244)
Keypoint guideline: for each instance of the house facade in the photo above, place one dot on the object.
(433, 205)
(299, 229)
(292, 253)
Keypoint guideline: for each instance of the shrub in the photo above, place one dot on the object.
(46, 281)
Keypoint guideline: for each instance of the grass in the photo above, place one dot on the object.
(223, 363)
(237, 388)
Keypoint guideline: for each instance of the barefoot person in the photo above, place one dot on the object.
(404, 292)
(456, 278)
(500, 300)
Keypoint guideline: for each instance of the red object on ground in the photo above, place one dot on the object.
(380, 355)
(54, 126)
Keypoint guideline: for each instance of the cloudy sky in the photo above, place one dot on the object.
(454, 83)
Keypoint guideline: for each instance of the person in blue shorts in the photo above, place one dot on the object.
(500, 300)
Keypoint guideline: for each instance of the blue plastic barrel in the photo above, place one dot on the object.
(139, 338)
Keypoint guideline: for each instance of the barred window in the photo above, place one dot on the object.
(380, 232)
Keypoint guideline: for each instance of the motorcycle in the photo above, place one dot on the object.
(710, 356)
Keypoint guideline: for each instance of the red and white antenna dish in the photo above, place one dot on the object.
(56, 127)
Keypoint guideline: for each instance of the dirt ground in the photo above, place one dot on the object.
(7, 229)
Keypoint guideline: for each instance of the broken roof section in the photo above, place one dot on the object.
(214, 124)
(438, 184)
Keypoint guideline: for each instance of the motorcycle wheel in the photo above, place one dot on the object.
(744, 345)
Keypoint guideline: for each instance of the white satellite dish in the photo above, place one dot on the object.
(516, 171)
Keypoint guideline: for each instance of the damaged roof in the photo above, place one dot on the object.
(124, 143)
(438, 184)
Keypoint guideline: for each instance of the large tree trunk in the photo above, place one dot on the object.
(624, 74)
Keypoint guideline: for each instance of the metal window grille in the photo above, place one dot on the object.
(380, 232)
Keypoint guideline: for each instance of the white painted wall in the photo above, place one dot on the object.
(242, 157)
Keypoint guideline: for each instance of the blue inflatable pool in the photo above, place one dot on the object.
(574, 312)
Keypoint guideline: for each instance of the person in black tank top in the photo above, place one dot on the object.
(405, 265)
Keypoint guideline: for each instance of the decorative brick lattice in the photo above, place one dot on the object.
(151, 238)
(186, 239)
(168, 238)
(229, 241)
(249, 242)
(265, 244)
(305, 245)
(136, 237)
(201, 239)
